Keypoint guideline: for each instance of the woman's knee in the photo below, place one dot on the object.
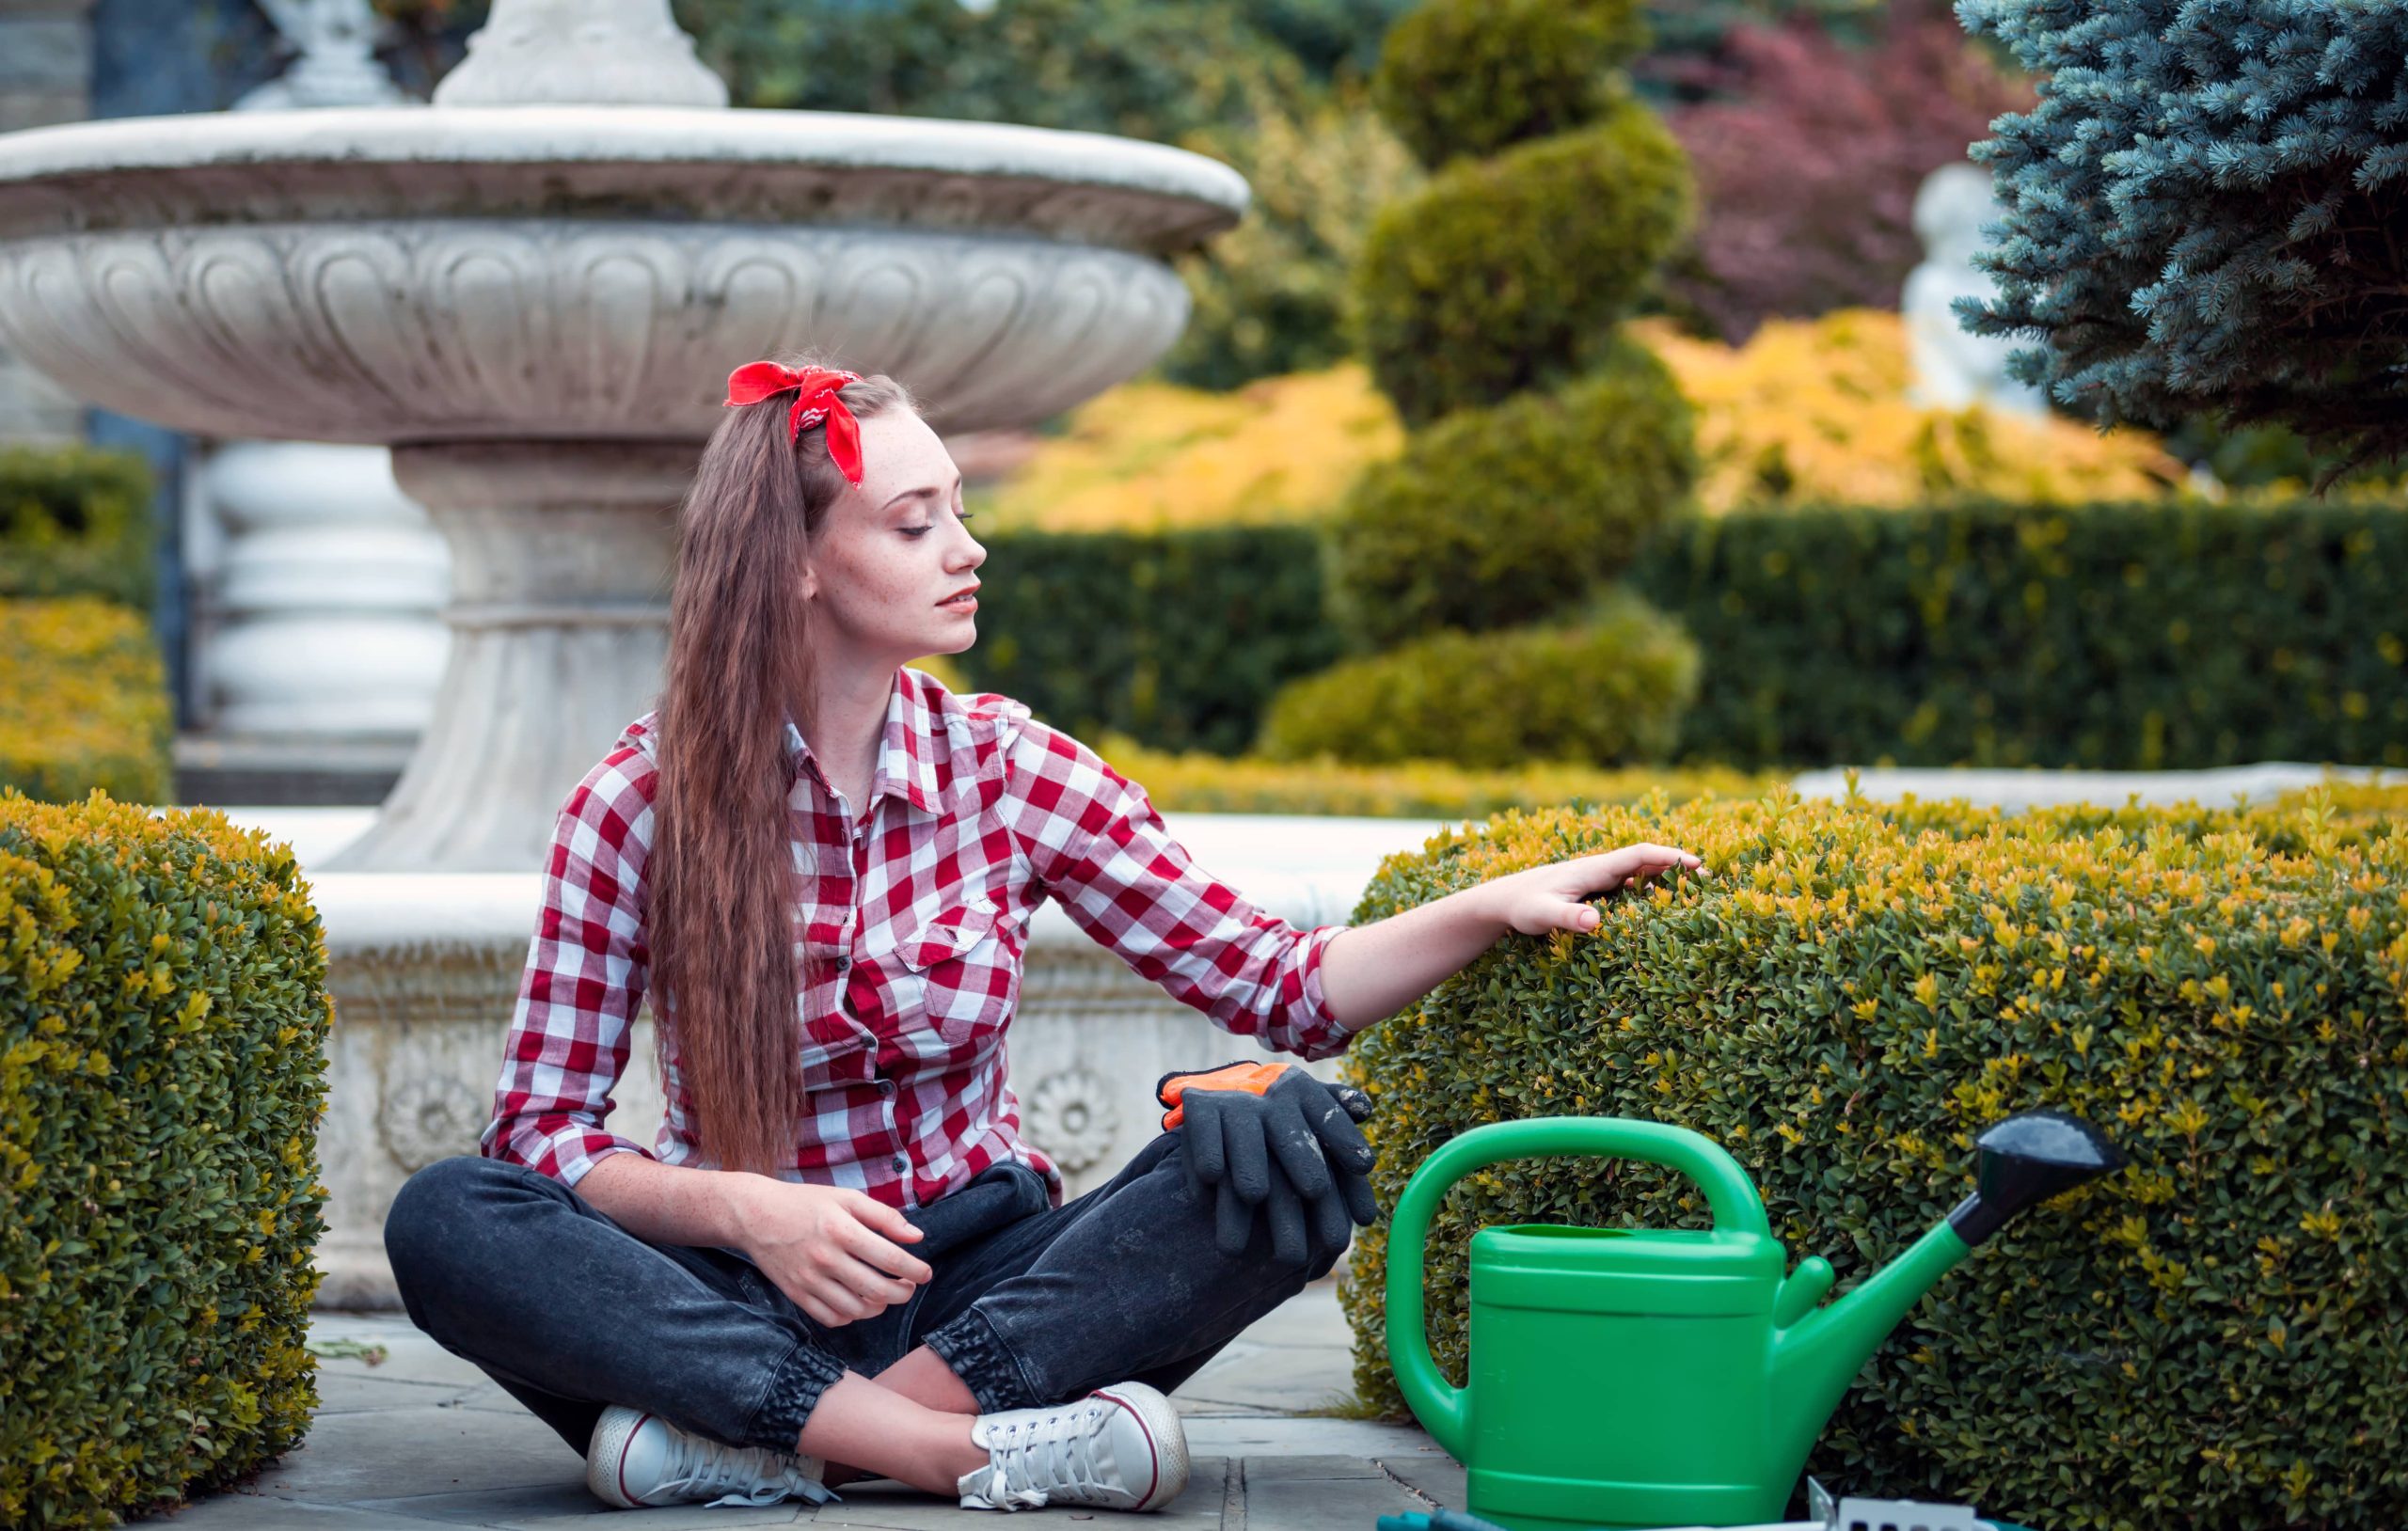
(443, 1210)
(1199, 1211)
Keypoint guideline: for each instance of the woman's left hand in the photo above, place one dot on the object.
(1546, 899)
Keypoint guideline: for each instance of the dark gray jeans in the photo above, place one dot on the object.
(1029, 1303)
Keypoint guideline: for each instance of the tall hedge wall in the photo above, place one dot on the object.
(163, 1021)
(2210, 1340)
(2135, 635)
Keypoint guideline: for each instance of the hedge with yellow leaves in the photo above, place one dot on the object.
(2211, 1339)
(162, 1020)
(1202, 783)
(83, 701)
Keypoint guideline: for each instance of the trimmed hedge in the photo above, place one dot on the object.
(2137, 635)
(83, 703)
(2208, 1340)
(2132, 636)
(1497, 518)
(1174, 638)
(162, 1021)
(1458, 80)
(75, 521)
(1606, 688)
(1507, 273)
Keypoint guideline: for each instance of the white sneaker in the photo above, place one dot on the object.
(639, 1458)
(1120, 1448)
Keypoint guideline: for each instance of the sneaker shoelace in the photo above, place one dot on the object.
(1018, 1447)
(743, 1476)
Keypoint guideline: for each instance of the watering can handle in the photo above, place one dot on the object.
(1439, 1403)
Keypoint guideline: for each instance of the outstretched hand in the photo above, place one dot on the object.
(1549, 898)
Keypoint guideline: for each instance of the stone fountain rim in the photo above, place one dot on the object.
(657, 146)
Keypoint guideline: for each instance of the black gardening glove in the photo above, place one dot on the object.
(1270, 1137)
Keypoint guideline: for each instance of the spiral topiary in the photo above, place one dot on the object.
(1470, 79)
(1492, 515)
(1503, 274)
(1545, 444)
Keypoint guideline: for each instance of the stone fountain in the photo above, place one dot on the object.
(532, 292)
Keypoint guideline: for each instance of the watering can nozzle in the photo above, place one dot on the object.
(2025, 1160)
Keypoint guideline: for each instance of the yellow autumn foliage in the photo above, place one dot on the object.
(1156, 457)
(1816, 410)
(1806, 411)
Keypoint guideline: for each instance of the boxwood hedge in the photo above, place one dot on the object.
(2212, 1339)
(162, 1020)
(75, 521)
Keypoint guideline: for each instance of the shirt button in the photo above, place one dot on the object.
(902, 1163)
(844, 962)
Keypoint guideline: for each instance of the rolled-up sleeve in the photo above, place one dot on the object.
(583, 983)
(1106, 855)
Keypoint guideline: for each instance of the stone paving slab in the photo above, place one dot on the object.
(421, 1438)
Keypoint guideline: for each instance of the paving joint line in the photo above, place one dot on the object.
(1428, 1504)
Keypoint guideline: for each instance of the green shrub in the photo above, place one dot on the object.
(163, 1019)
(75, 521)
(1493, 517)
(2131, 636)
(1470, 77)
(1606, 689)
(83, 703)
(1507, 273)
(2208, 1340)
(1174, 638)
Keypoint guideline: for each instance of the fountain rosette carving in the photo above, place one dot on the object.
(536, 306)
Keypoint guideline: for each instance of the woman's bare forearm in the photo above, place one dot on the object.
(1370, 972)
(668, 1204)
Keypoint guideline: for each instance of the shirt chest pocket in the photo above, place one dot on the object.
(958, 971)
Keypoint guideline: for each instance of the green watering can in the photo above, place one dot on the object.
(1628, 1378)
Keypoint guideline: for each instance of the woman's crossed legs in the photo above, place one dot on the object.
(570, 1313)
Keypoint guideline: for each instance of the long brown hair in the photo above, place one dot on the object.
(722, 883)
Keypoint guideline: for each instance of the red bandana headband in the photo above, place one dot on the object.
(815, 400)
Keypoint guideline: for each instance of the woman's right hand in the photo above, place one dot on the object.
(833, 1251)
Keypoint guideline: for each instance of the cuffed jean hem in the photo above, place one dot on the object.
(971, 1350)
(795, 1388)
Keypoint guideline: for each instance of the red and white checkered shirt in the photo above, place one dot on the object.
(977, 812)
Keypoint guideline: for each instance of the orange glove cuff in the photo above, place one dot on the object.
(1254, 1079)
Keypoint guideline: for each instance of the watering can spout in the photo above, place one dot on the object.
(2025, 1160)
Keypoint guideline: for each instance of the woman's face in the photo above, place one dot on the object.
(890, 551)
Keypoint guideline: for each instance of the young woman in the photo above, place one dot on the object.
(839, 1260)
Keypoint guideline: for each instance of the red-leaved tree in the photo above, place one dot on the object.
(1807, 167)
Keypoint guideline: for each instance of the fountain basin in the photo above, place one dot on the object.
(563, 272)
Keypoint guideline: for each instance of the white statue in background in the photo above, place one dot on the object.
(338, 65)
(1953, 369)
